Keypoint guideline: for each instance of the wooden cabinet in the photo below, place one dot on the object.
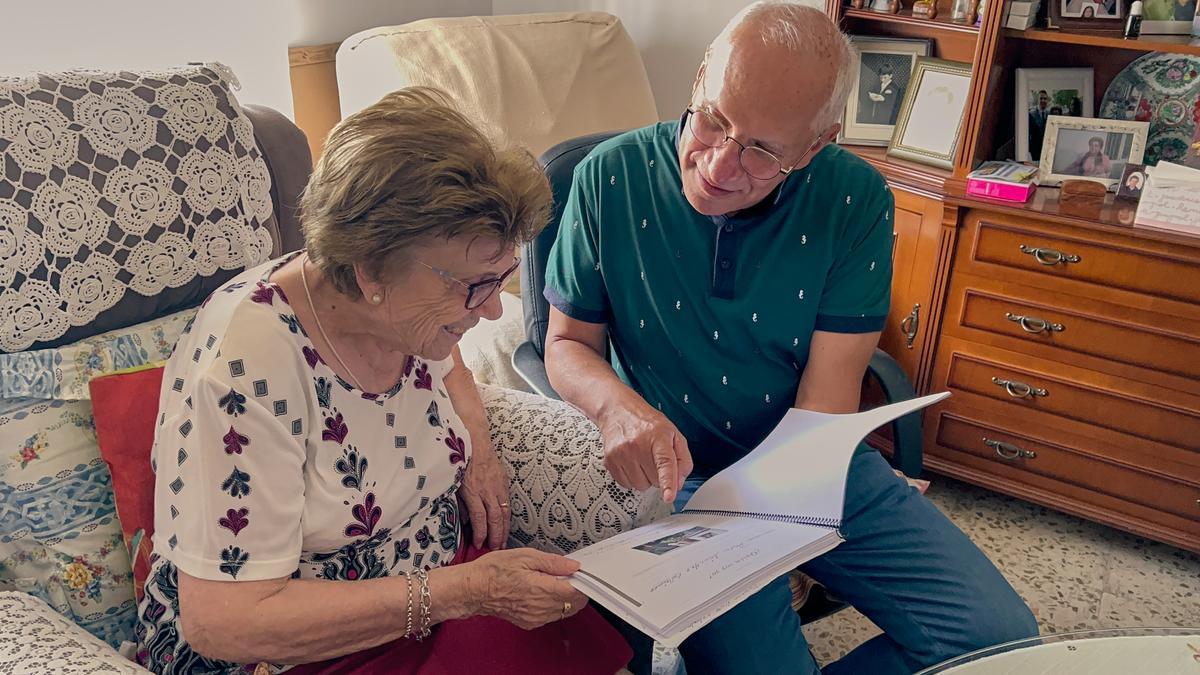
(1073, 357)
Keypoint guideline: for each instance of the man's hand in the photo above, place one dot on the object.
(643, 449)
(875, 97)
(485, 493)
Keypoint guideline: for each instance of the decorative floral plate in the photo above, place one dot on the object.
(1164, 90)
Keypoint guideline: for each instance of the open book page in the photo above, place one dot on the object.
(799, 470)
(673, 576)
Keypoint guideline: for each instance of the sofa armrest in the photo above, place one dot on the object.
(562, 497)
(532, 369)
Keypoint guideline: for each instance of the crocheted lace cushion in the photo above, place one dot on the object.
(123, 196)
(562, 497)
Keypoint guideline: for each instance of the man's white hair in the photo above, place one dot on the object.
(801, 27)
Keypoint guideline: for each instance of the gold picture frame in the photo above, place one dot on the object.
(1069, 152)
(931, 116)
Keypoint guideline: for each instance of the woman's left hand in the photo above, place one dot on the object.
(485, 493)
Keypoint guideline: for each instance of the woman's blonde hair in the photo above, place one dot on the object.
(410, 168)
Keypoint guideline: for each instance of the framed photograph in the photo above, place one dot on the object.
(881, 77)
(1090, 149)
(1133, 179)
(1088, 14)
(931, 114)
(1042, 92)
(1168, 17)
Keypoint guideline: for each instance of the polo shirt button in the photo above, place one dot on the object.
(729, 228)
(725, 264)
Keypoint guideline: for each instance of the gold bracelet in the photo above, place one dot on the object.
(426, 603)
(408, 623)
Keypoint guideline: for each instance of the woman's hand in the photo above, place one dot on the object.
(485, 493)
(523, 586)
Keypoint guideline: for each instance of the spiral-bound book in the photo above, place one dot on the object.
(776, 508)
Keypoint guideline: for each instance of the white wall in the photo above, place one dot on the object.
(671, 35)
(249, 36)
(324, 21)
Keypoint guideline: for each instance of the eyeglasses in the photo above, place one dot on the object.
(480, 291)
(757, 162)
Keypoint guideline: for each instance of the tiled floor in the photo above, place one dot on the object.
(1074, 574)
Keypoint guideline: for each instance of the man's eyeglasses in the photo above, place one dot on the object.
(758, 162)
(480, 291)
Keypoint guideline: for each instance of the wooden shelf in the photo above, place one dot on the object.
(1180, 44)
(923, 178)
(905, 17)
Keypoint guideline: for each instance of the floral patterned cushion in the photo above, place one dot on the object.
(59, 535)
(36, 639)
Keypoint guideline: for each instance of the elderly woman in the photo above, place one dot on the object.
(1092, 163)
(319, 432)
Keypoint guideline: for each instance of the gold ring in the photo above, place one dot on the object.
(504, 505)
(566, 608)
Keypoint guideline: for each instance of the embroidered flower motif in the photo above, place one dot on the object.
(238, 484)
(70, 215)
(367, 514)
(78, 576)
(423, 380)
(335, 429)
(21, 249)
(219, 245)
(233, 559)
(210, 179)
(115, 121)
(457, 447)
(191, 112)
(30, 314)
(233, 403)
(255, 182)
(235, 520)
(143, 196)
(235, 442)
(156, 265)
(38, 136)
(352, 466)
(90, 287)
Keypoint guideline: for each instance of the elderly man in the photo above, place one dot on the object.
(740, 264)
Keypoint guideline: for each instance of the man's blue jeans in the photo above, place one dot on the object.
(903, 564)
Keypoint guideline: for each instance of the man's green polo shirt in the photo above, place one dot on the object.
(710, 318)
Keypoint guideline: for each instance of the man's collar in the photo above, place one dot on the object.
(754, 215)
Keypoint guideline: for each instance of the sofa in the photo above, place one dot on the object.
(126, 199)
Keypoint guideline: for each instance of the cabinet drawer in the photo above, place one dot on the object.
(1150, 426)
(1124, 341)
(1052, 471)
(1053, 256)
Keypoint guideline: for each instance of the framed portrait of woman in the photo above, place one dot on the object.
(1090, 149)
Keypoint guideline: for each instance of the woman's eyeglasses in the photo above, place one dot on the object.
(480, 291)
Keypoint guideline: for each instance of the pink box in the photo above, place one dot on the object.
(995, 190)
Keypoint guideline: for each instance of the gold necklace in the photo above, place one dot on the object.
(321, 329)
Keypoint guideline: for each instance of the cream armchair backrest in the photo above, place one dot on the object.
(531, 79)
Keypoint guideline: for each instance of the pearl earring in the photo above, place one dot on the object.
(376, 299)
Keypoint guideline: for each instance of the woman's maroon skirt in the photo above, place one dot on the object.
(584, 644)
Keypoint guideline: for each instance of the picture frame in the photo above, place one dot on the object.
(882, 71)
(1097, 15)
(931, 116)
(1133, 181)
(1070, 90)
(1078, 148)
(1168, 17)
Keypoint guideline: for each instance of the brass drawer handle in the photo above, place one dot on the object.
(1017, 389)
(1032, 324)
(1048, 256)
(1009, 451)
(911, 324)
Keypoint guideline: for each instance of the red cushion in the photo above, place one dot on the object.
(125, 406)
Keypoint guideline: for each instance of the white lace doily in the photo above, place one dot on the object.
(112, 182)
(562, 496)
